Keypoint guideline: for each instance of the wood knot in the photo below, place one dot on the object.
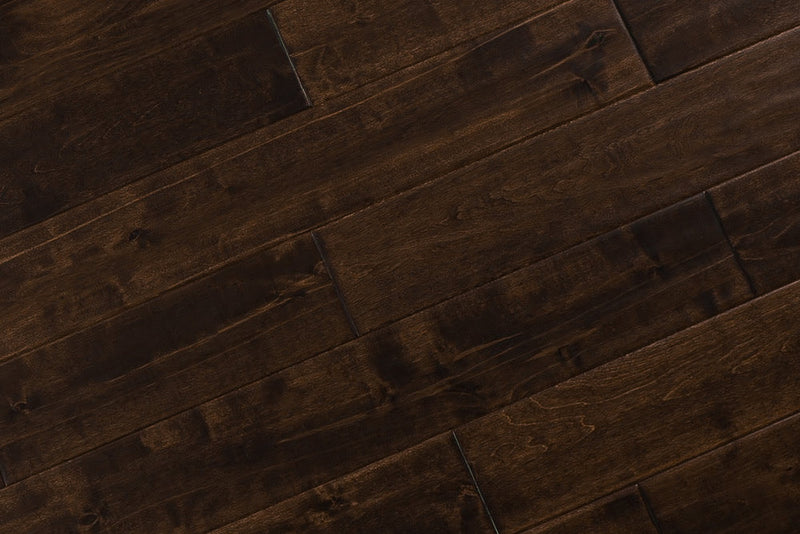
(88, 520)
(598, 38)
(19, 406)
(136, 234)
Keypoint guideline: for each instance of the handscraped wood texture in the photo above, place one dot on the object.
(761, 213)
(706, 385)
(343, 162)
(430, 266)
(340, 45)
(750, 485)
(424, 489)
(560, 188)
(120, 127)
(48, 46)
(675, 35)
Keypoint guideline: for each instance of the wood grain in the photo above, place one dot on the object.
(395, 387)
(750, 485)
(654, 408)
(562, 187)
(423, 489)
(48, 46)
(676, 35)
(415, 132)
(133, 122)
(341, 45)
(192, 344)
(761, 213)
(622, 512)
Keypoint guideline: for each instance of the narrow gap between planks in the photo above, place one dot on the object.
(733, 250)
(328, 267)
(650, 512)
(474, 481)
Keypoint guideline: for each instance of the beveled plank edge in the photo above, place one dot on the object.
(734, 252)
(471, 473)
(632, 37)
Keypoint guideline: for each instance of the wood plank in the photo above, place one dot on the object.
(619, 513)
(133, 122)
(750, 485)
(423, 489)
(562, 187)
(201, 217)
(48, 46)
(341, 45)
(197, 342)
(676, 35)
(654, 408)
(761, 213)
(395, 387)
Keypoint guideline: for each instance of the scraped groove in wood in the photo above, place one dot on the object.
(424, 489)
(709, 384)
(675, 35)
(622, 512)
(562, 187)
(750, 485)
(341, 45)
(761, 213)
(195, 343)
(47, 46)
(509, 87)
(390, 389)
(166, 108)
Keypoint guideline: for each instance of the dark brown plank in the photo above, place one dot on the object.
(761, 213)
(342, 45)
(639, 414)
(750, 485)
(475, 104)
(47, 46)
(622, 512)
(562, 187)
(423, 489)
(676, 35)
(395, 387)
(133, 122)
(190, 345)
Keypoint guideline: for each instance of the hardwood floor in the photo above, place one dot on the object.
(435, 266)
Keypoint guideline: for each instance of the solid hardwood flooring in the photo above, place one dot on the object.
(436, 266)
(675, 399)
(343, 162)
(341, 45)
(58, 154)
(750, 485)
(761, 216)
(48, 46)
(560, 188)
(676, 35)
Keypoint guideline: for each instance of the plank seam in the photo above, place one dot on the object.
(733, 250)
(635, 42)
(474, 481)
(289, 58)
(650, 512)
(3, 477)
(335, 281)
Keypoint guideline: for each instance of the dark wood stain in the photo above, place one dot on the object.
(562, 187)
(708, 384)
(760, 213)
(528, 266)
(349, 160)
(750, 485)
(74, 147)
(675, 35)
